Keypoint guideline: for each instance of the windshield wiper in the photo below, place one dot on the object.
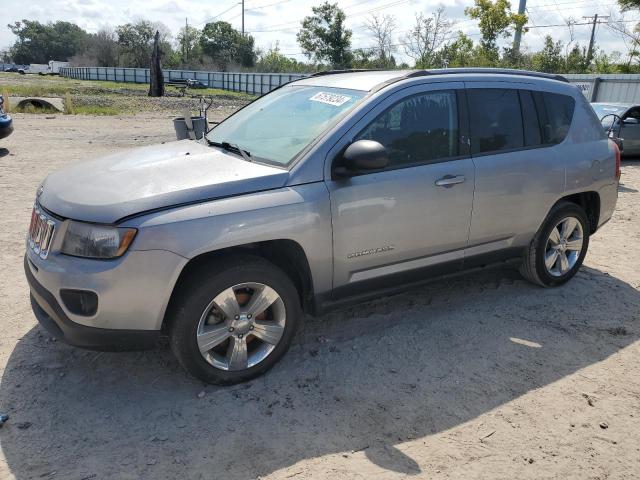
(235, 148)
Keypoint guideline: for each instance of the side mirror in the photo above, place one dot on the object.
(631, 121)
(360, 157)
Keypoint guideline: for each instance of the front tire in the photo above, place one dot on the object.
(558, 248)
(234, 319)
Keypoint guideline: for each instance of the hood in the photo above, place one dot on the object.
(159, 176)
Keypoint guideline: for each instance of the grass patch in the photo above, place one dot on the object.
(33, 109)
(53, 86)
(68, 104)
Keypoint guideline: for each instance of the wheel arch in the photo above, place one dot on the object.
(286, 254)
(589, 201)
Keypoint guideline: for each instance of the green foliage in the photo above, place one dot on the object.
(495, 20)
(39, 43)
(275, 62)
(226, 46)
(324, 37)
(460, 53)
(550, 58)
(189, 47)
(135, 42)
(325, 40)
(370, 59)
(69, 109)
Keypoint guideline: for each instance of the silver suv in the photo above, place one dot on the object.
(332, 189)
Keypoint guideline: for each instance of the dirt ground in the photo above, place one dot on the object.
(484, 376)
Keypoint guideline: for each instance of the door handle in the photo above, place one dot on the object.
(450, 180)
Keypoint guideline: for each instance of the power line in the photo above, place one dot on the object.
(297, 22)
(266, 6)
(529, 27)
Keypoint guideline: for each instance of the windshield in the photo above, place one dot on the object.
(603, 110)
(277, 127)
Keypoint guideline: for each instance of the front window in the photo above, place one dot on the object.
(277, 127)
(420, 129)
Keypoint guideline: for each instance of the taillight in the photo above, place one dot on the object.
(616, 149)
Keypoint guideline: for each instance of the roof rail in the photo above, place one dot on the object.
(347, 70)
(505, 71)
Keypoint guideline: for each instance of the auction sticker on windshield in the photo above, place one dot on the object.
(330, 98)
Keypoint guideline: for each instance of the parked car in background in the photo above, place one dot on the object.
(6, 123)
(331, 189)
(11, 69)
(623, 119)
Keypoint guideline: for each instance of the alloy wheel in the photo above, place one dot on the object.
(241, 326)
(564, 246)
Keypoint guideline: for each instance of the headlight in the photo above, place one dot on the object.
(96, 241)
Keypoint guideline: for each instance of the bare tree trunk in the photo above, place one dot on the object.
(156, 80)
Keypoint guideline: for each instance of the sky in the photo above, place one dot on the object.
(277, 21)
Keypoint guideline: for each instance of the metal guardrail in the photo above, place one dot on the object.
(600, 88)
(252, 83)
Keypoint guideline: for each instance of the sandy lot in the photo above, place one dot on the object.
(485, 376)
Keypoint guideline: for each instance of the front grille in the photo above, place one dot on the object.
(41, 232)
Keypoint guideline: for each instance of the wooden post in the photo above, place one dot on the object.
(156, 80)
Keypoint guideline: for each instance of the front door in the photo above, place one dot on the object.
(631, 132)
(390, 225)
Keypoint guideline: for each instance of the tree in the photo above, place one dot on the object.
(629, 4)
(39, 43)
(495, 20)
(188, 39)
(273, 61)
(225, 45)
(381, 28)
(550, 58)
(459, 53)
(104, 44)
(323, 36)
(576, 60)
(426, 37)
(367, 58)
(135, 42)
(630, 37)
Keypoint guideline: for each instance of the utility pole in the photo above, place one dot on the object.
(522, 7)
(243, 18)
(593, 35)
(186, 39)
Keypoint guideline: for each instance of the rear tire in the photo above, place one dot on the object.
(233, 319)
(558, 249)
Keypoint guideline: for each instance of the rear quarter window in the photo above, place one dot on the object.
(555, 113)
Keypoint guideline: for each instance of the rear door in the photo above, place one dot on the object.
(390, 225)
(517, 175)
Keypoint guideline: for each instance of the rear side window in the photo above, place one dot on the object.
(555, 113)
(418, 129)
(495, 120)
